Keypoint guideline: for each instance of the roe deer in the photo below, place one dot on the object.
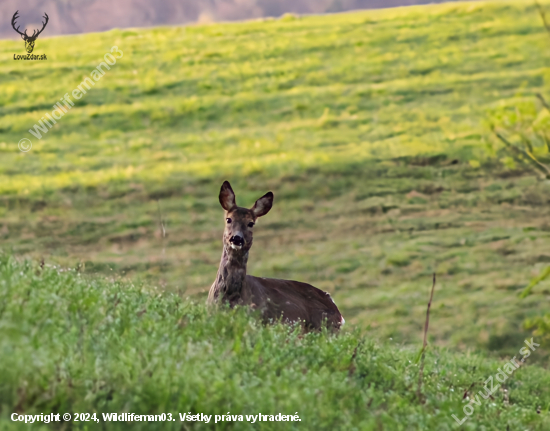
(292, 301)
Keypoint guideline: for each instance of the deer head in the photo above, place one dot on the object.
(29, 40)
(239, 222)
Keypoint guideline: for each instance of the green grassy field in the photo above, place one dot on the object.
(72, 343)
(371, 128)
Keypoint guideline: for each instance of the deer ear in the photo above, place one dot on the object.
(227, 197)
(263, 205)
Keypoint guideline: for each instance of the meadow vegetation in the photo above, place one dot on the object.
(74, 343)
(373, 130)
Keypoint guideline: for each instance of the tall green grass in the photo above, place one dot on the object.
(71, 343)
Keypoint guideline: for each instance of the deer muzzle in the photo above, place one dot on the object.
(237, 241)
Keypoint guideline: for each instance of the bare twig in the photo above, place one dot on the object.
(542, 167)
(467, 391)
(542, 14)
(516, 152)
(547, 107)
(527, 143)
(425, 343)
(163, 232)
(543, 101)
(524, 155)
(352, 366)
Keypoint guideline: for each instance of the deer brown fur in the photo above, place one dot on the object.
(290, 301)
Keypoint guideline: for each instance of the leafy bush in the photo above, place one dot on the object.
(523, 126)
(540, 324)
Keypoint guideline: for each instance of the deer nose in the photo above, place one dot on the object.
(237, 239)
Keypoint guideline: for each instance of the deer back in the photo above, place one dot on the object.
(292, 301)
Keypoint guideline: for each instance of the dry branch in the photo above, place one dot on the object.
(425, 343)
(163, 233)
(524, 155)
(542, 14)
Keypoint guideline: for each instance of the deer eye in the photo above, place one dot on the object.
(251, 224)
(228, 220)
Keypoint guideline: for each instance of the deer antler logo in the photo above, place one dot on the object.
(29, 40)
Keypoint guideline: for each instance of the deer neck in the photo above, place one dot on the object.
(231, 278)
